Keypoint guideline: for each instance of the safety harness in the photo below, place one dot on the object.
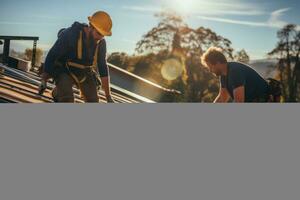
(80, 68)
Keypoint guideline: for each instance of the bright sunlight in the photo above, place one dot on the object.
(181, 6)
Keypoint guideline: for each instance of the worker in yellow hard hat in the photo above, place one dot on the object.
(78, 57)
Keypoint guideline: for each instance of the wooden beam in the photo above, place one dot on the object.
(4, 37)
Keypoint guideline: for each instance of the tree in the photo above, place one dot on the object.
(242, 56)
(173, 39)
(119, 59)
(287, 51)
(161, 37)
(38, 57)
(172, 34)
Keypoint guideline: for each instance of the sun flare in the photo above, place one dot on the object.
(181, 6)
(171, 69)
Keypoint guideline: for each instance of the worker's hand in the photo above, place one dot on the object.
(42, 87)
(45, 77)
(109, 99)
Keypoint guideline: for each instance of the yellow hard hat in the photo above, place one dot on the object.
(102, 22)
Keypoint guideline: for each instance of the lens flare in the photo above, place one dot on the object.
(171, 69)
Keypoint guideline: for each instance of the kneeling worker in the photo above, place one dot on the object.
(78, 58)
(238, 81)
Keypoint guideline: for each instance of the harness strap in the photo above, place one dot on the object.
(76, 79)
(95, 62)
(77, 65)
(79, 46)
(94, 67)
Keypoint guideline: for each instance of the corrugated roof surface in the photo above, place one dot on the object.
(21, 87)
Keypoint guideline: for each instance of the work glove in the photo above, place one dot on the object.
(110, 99)
(42, 87)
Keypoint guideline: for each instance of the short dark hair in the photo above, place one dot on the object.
(213, 55)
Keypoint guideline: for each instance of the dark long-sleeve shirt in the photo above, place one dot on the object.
(240, 74)
(65, 49)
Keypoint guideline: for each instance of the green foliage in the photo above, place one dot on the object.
(38, 55)
(172, 34)
(119, 59)
(242, 56)
(174, 39)
(287, 51)
(198, 86)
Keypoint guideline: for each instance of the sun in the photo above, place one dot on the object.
(181, 6)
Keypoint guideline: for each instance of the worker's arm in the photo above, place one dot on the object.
(223, 96)
(103, 70)
(239, 94)
(59, 50)
(43, 85)
(106, 87)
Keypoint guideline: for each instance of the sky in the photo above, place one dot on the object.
(250, 25)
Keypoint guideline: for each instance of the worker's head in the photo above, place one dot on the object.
(94, 33)
(101, 24)
(214, 60)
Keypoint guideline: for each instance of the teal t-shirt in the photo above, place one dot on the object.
(239, 74)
